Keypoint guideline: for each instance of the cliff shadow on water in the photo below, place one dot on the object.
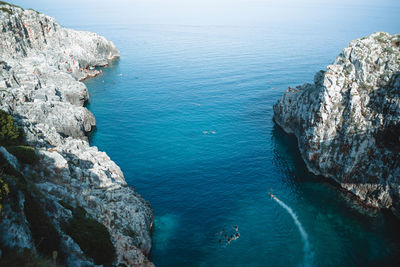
(331, 214)
(353, 141)
(288, 159)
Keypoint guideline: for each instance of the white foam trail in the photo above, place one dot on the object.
(303, 233)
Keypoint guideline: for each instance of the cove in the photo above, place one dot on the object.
(156, 111)
(177, 83)
(187, 115)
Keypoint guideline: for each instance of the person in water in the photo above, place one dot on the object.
(222, 231)
(236, 228)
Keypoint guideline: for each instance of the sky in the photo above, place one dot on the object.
(209, 12)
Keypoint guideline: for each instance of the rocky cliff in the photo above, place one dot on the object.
(41, 66)
(347, 122)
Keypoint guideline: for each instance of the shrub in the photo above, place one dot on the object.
(5, 3)
(6, 168)
(13, 257)
(31, 9)
(10, 134)
(45, 235)
(365, 86)
(4, 190)
(92, 237)
(380, 38)
(24, 154)
(388, 50)
(6, 10)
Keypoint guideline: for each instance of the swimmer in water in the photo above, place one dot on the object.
(237, 235)
(236, 228)
(223, 231)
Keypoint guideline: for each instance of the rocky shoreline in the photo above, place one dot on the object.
(347, 122)
(41, 66)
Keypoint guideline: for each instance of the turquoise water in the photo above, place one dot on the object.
(176, 84)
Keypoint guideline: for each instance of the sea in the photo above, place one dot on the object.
(187, 114)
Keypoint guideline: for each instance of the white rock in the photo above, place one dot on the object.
(354, 136)
(40, 69)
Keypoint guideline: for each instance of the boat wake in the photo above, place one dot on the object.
(303, 233)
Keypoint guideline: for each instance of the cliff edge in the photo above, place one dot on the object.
(74, 184)
(347, 122)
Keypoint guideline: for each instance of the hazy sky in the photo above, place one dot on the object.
(213, 12)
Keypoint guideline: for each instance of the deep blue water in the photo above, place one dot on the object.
(175, 82)
(178, 82)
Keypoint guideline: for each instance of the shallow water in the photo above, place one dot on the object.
(157, 110)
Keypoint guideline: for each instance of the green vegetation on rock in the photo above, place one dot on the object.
(92, 237)
(31, 9)
(5, 3)
(388, 50)
(4, 190)
(45, 236)
(380, 38)
(10, 134)
(24, 154)
(4, 9)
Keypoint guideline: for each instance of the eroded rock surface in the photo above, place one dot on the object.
(347, 122)
(41, 66)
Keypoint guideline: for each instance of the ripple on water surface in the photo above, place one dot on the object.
(179, 85)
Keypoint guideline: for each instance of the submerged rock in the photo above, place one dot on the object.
(347, 122)
(41, 66)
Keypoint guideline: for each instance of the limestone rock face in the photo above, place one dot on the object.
(347, 122)
(41, 66)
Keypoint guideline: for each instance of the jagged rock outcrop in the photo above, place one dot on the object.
(347, 122)
(41, 66)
